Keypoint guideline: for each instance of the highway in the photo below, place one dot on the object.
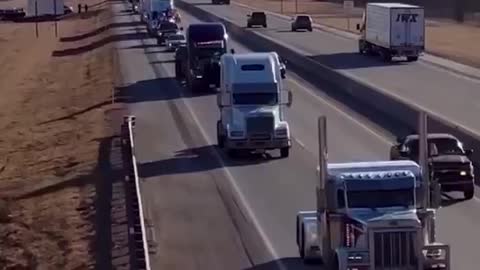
(443, 92)
(181, 169)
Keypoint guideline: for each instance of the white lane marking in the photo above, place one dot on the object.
(443, 64)
(345, 114)
(236, 188)
(340, 111)
(385, 91)
(233, 183)
(300, 143)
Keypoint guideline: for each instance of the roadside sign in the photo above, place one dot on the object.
(348, 5)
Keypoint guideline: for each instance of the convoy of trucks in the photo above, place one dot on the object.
(392, 30)
(370, 215)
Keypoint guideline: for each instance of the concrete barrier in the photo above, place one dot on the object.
(381, 107)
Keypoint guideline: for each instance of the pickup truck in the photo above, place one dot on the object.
(449, 162)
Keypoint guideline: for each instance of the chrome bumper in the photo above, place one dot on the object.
(247, 144)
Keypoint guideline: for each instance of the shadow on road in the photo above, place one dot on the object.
(198, 159)
(286, 263)
(353, 60)
(98, 44)
(148, 90)
(99, 31)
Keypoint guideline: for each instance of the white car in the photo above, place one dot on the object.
(173, 41)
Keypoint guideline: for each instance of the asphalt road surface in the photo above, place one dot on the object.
(443, 92)
(183, 171)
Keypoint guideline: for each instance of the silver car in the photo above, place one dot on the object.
(173, 41)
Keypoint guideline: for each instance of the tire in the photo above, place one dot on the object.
(220, 137)
(249, 25)
(412, 58)
(310, 29)
(232, 153)
(285, 152)
(265, 25)
(469, 193)
(301, 248)
(386, 56)
(178, 70)
(361, 47)
(293, 29)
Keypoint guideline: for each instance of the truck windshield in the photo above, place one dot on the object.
(444, 146)
(202, 53)
(381, 198)
(255, 99)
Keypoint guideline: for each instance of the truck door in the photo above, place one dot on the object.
(407, 27)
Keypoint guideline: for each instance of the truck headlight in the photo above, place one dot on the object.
(463, 173)
(236, 133)
(281, 132)
(357, 257)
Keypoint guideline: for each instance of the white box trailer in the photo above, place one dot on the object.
(393, 29)
(45, 7)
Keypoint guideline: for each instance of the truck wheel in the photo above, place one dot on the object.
(284, 152)
(412, 58)
(178, 71)
(220, 137)
(361, 47)
(386, 56)
(249, 25)
(293, 29)
(232, 153)
(264, 25)
(469, 193)
(310, 29)
(301, 248)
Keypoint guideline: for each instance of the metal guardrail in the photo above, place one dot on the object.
(139, 250)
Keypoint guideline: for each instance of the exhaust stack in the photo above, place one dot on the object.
(322, 207)
(423, 157)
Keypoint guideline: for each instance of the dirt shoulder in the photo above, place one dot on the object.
(55, 96)
(444, 38)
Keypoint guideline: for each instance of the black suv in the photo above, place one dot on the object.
(257, 18)
(449, 162)
(302, 22)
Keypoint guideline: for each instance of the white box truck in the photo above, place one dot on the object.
(392, 30)
(45, 7)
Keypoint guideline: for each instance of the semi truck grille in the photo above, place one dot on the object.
(394, 250)
(260, 125)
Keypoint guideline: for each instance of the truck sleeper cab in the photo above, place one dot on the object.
(206, 43)
(372, 220)
(252, 102)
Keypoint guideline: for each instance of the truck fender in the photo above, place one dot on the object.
(307, 238)
(340, 259)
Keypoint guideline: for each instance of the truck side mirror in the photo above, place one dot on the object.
(358, 26)
(468, 152)
(286, 98)
(283, 73)
(436, 194)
